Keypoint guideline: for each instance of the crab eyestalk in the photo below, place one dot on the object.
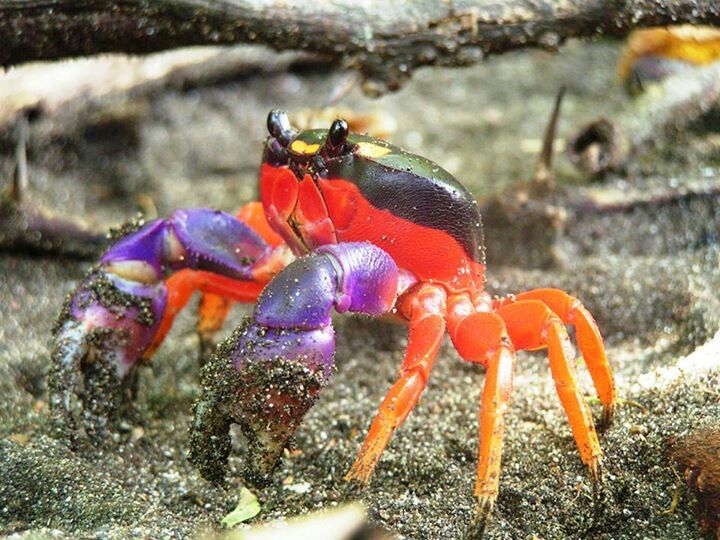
(269, 373)
(281, 135)
(336, 138)
(278, 124)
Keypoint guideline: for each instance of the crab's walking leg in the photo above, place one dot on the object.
(425, 310)
(268, 374)
(590, 342)
(531, 325)
(181, 286)
(482, 337)
(115, 314)
(212, 313)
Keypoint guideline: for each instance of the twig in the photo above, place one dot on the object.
(652, 200)
(632, 403)
(25, 227)
(676, 496)
(543, 174)
(20, 178)
(88, 81)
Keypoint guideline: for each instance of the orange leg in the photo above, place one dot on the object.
(212, 313)
(214, 308)
(590, 342)
(253, 215)
(481, 337)
(532, 325)
(183, 284)
(425, 310)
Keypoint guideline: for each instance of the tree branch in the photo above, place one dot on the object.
(385, 40)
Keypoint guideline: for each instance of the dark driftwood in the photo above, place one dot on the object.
(385, 39)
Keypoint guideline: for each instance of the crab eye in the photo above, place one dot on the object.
(338, 134)
(336, 142)
(278, 125)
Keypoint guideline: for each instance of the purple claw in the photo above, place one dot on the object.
(265, 380)
(130, 311)
(312, 348)
(269, 373)
(217, 242)
(113, 317)
(369, 276)
(301, 296)
(104, 328)
(200, 238)
(144, 245)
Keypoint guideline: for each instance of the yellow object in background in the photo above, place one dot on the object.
(654, 53)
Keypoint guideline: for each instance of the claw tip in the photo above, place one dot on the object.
(483, 512)
(596, 471)
(607, 416)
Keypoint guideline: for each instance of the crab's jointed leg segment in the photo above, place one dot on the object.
(253, 215)
(269, 373)
(590, 342)
(425, 310)
(531, 325)
(217, 291)
(212, 313)
(482, 337)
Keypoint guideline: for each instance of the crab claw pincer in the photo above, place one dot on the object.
(103, 330)
(111, 320)
(268, 374)
(265, 380)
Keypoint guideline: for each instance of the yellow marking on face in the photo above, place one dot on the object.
(371, 150)
(301, 147)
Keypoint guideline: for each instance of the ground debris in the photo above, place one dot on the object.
(697, 456)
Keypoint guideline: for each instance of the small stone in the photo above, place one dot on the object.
(300, 488)
(136, 434)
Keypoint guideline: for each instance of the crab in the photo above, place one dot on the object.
(345, 222)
